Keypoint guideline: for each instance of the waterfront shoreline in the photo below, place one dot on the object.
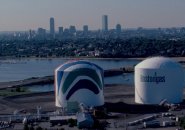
(50, 79)
(83, 58)
(67, 58)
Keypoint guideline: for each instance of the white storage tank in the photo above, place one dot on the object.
(158, 79)
(79, 81)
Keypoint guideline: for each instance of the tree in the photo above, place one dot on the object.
(31, 127)
(39, 128)
(26, 127)
(18, 89)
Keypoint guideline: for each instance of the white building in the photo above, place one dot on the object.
(158, 79)
(79, 81)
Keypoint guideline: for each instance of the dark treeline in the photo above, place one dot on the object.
(93, 47)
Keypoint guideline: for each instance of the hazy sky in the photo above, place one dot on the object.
(31, 14)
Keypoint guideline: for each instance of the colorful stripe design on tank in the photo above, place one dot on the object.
(95, 85)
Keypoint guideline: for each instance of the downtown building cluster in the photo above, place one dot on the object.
(72, 32)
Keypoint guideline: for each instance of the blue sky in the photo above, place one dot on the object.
(31, 14)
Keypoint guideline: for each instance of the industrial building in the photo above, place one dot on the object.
(79, 81)
(158, 79)
(84, 120)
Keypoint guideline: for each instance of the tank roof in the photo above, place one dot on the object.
(158, 63)
(82, 63)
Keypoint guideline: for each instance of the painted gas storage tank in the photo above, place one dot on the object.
(158, 79)
(79, 81)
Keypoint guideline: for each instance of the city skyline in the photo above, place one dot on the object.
(22, 15)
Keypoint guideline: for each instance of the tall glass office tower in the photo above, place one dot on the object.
(52, 27)
(105, 23)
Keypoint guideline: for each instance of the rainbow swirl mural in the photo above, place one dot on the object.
(79, 81)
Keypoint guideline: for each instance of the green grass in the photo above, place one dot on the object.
(13, 92)
(182, 122)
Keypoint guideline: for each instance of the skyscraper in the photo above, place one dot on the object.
(60, 30)
(52, 27)
(41, 33)
(85, 28)
(72, 29)
(118, 28)
(104, 23)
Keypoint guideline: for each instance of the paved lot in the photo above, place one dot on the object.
(121, 123)
(46, 100)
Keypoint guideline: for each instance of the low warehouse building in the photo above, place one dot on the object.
(84, 120)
